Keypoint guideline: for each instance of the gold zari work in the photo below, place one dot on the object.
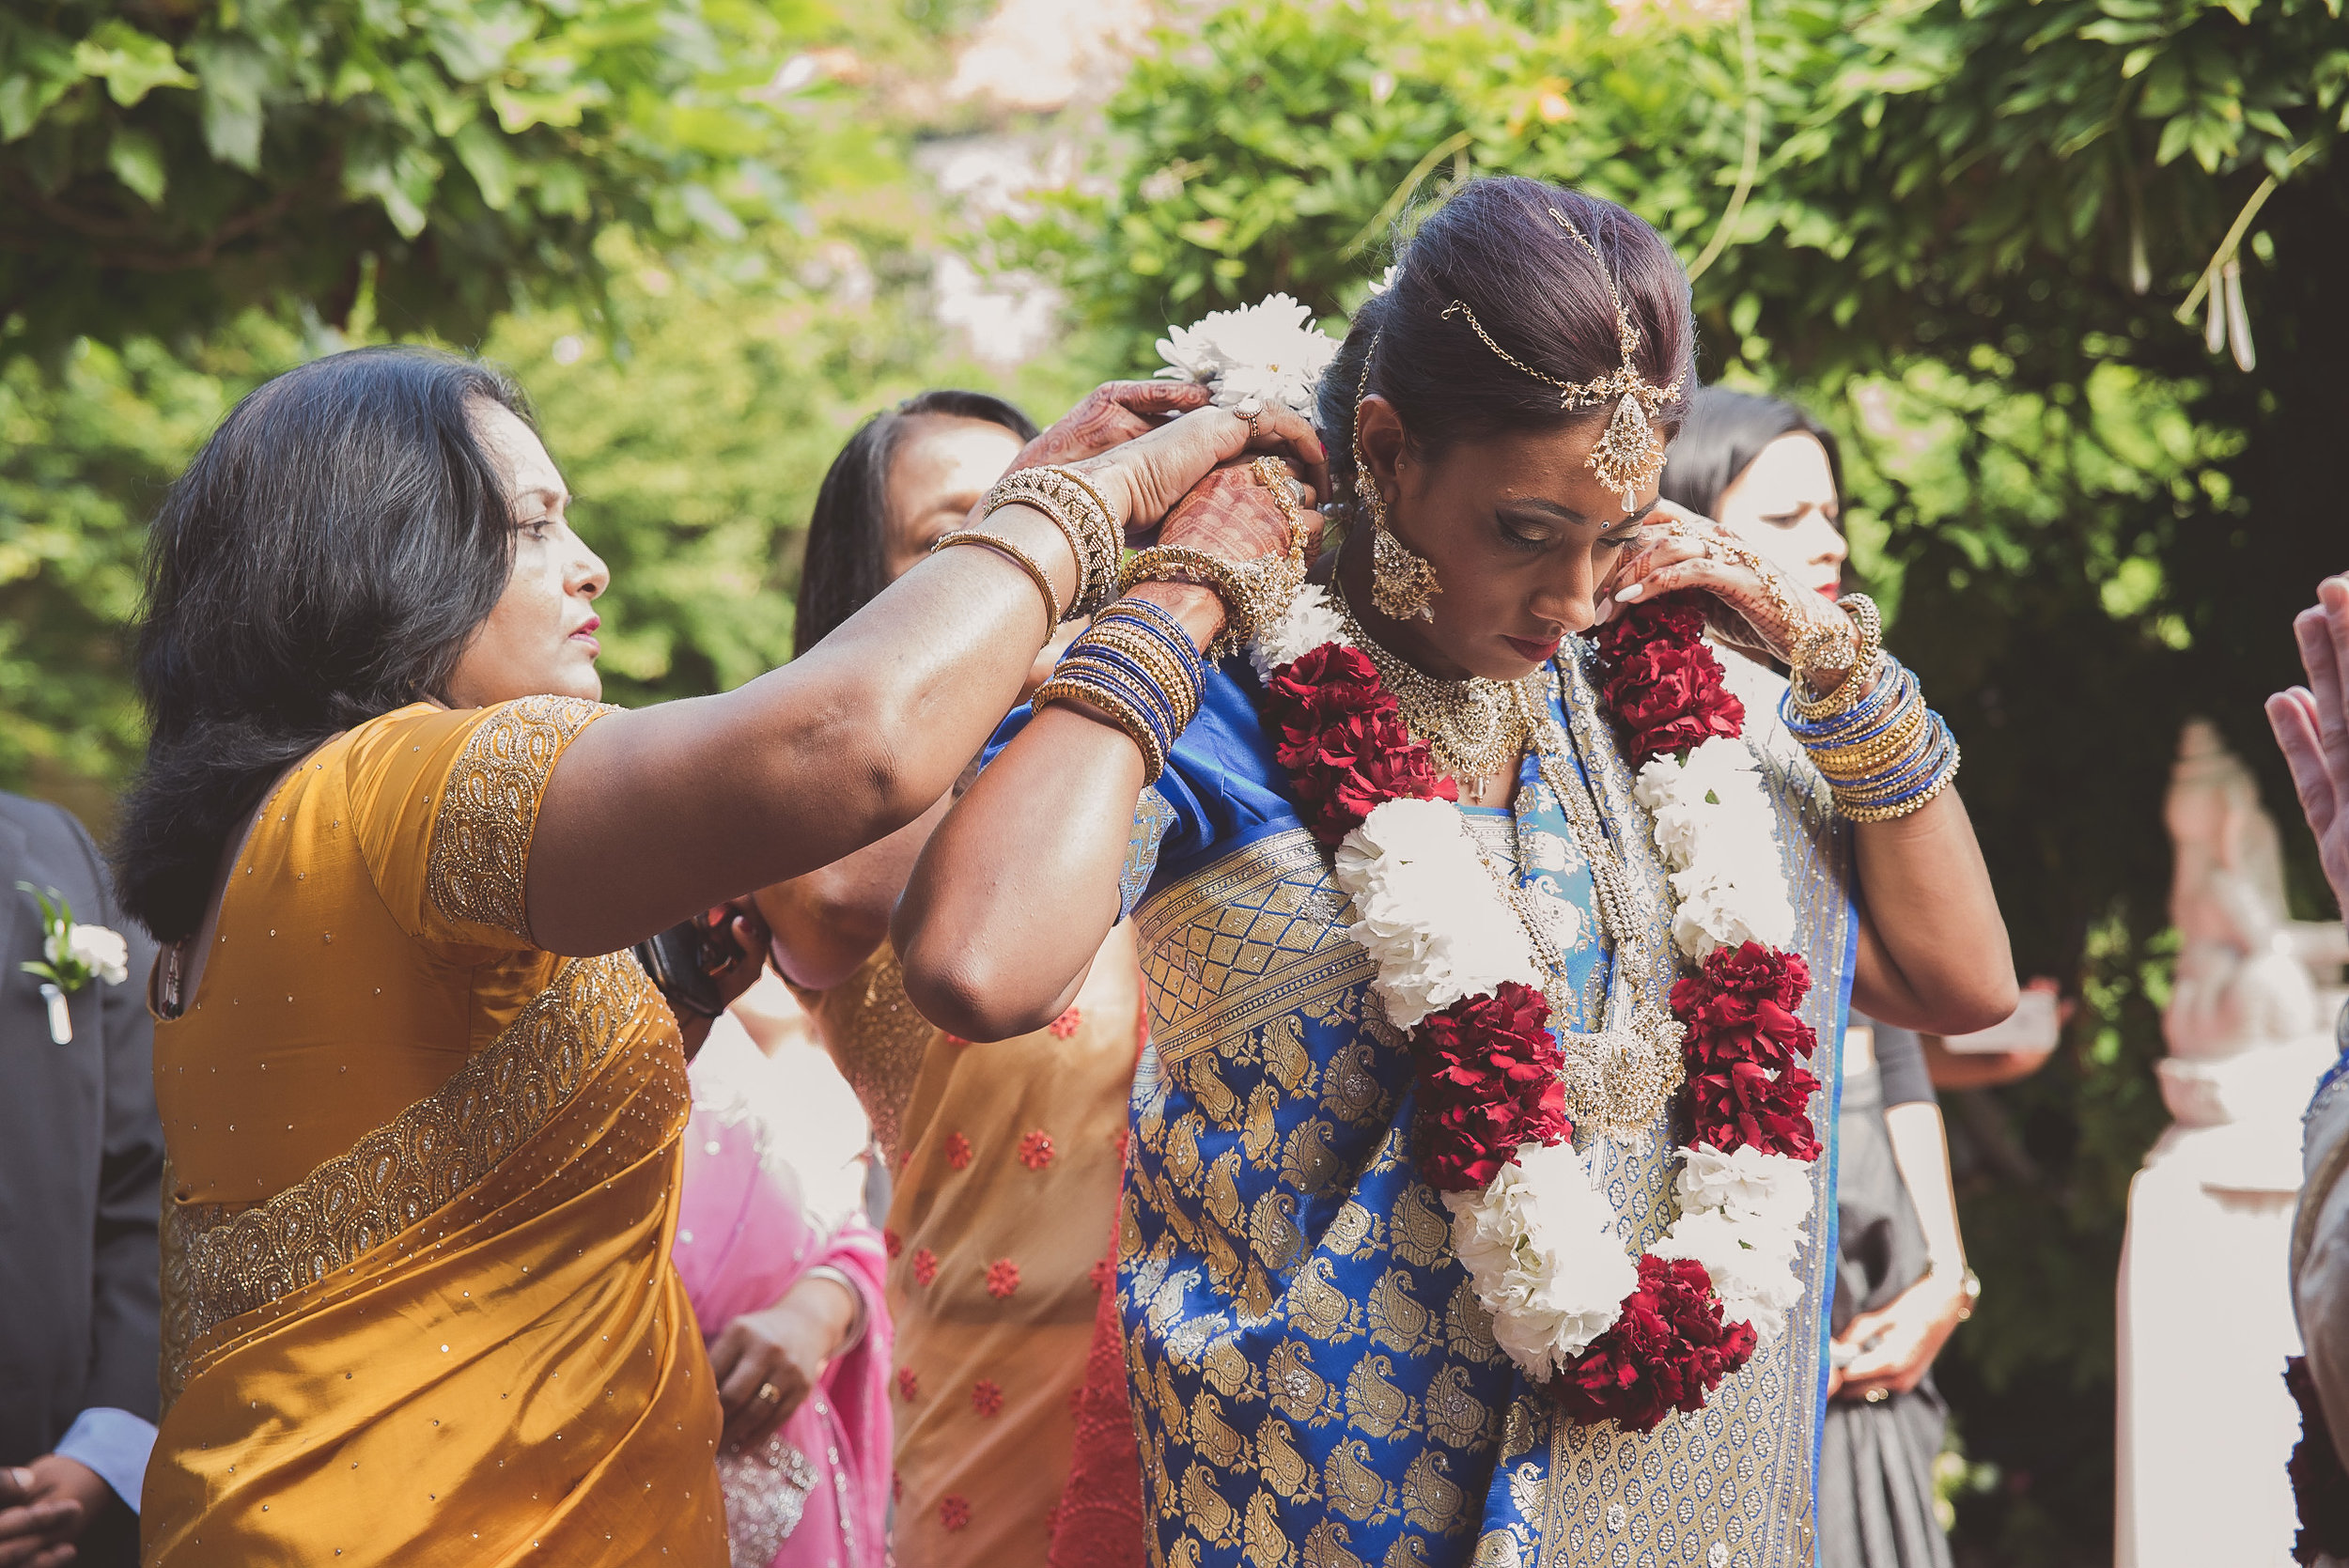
(220, 1260)
(481, 839)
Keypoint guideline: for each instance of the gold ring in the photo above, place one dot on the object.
(768, 1394)
(1877, 1395)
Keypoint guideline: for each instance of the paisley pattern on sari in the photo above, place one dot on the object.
(1314, 1382)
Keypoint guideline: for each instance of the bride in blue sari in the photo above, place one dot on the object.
(1332, 1359)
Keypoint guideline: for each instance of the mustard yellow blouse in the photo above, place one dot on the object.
(421, 1186)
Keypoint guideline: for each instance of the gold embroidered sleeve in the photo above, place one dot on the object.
(488, 808)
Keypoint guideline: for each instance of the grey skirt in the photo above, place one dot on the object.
(1876, 1461)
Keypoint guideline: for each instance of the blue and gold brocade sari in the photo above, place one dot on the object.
(1314, 1382)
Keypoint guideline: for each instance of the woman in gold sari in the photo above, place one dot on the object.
(421, 1109)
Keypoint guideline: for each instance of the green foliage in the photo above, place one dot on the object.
(164, 166)
(1959, 230)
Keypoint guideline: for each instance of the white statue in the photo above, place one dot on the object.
(2205, 1309)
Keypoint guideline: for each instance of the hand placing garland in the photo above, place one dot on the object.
(1613, 1336)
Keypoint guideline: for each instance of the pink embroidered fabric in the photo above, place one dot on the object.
(817, 1493)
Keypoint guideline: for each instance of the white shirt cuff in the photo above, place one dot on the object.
(115, 1443)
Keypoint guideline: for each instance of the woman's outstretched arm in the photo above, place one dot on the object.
(1020, 884)
(654, 813)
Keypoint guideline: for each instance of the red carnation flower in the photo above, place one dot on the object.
(1742, 1104)
(987, 1397)
(1488, 1081)
(1342, 739)
(1664, 685)
(1667, 1352)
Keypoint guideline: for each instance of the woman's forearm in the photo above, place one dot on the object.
(1019, 886)
(655, 813)
(1932, 949)
(1920, 1148)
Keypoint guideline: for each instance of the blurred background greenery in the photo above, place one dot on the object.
(711, 235)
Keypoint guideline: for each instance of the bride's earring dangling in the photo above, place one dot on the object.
(1401, 583)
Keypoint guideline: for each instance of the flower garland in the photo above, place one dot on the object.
(1613, 1337)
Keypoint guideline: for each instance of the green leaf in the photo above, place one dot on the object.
(482, 150)
(234, 72)
(132, 63)
(138, 160)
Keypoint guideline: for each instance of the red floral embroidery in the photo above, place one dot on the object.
(1104, 1274)
(1035, 1149)
(956, 1041)
(1065, 1025)
(1003, 1278)
(1125, 1144)
(897, 1485)
(986, 1398)
(892, 1244)
(953, 1511)
(925, 1266)
(957, 1151)
(909, 1385)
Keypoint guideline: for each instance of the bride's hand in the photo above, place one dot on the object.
(1771, 613)
(1234, 515)
(1145, 478)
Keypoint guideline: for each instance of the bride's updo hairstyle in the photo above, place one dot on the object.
(1495, 247)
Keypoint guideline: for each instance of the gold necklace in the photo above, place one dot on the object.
(1476, 727)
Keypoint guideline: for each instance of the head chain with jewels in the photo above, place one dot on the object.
(1629, 454)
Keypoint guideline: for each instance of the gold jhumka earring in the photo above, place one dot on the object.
(1629, 454)
(1401, 583)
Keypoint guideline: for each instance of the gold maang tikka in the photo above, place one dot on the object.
(1401, 582)
(1629, 454)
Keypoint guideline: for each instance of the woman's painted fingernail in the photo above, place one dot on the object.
(1625, 595)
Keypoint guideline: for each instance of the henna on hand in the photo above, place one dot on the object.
(1110, 415)
(1766, 611)
(1232, 515)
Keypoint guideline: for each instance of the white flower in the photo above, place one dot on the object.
(1430, 915)
(1271, 351)
(1540, 1247)
(1745, 1184)
(1387, 281)
(1310, 621)
(103, 952)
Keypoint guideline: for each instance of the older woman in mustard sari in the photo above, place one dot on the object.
(422, 1107)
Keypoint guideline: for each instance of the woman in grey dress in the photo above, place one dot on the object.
(1767, 471)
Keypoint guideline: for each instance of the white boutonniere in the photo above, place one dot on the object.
(72, 955)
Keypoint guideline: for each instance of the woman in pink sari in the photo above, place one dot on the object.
(798, 1334)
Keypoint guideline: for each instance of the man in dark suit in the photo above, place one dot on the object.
(81, 1171)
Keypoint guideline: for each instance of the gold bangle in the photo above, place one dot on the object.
(1173, 677)
(1013, 553)
(1137, 728)
(1860, 675)
(1082, 517)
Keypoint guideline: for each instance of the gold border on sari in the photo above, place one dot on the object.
(220, 1260)
(1246, 940)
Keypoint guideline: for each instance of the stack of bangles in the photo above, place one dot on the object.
(1135, 665)
(1883, 754)
(1078, 510)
